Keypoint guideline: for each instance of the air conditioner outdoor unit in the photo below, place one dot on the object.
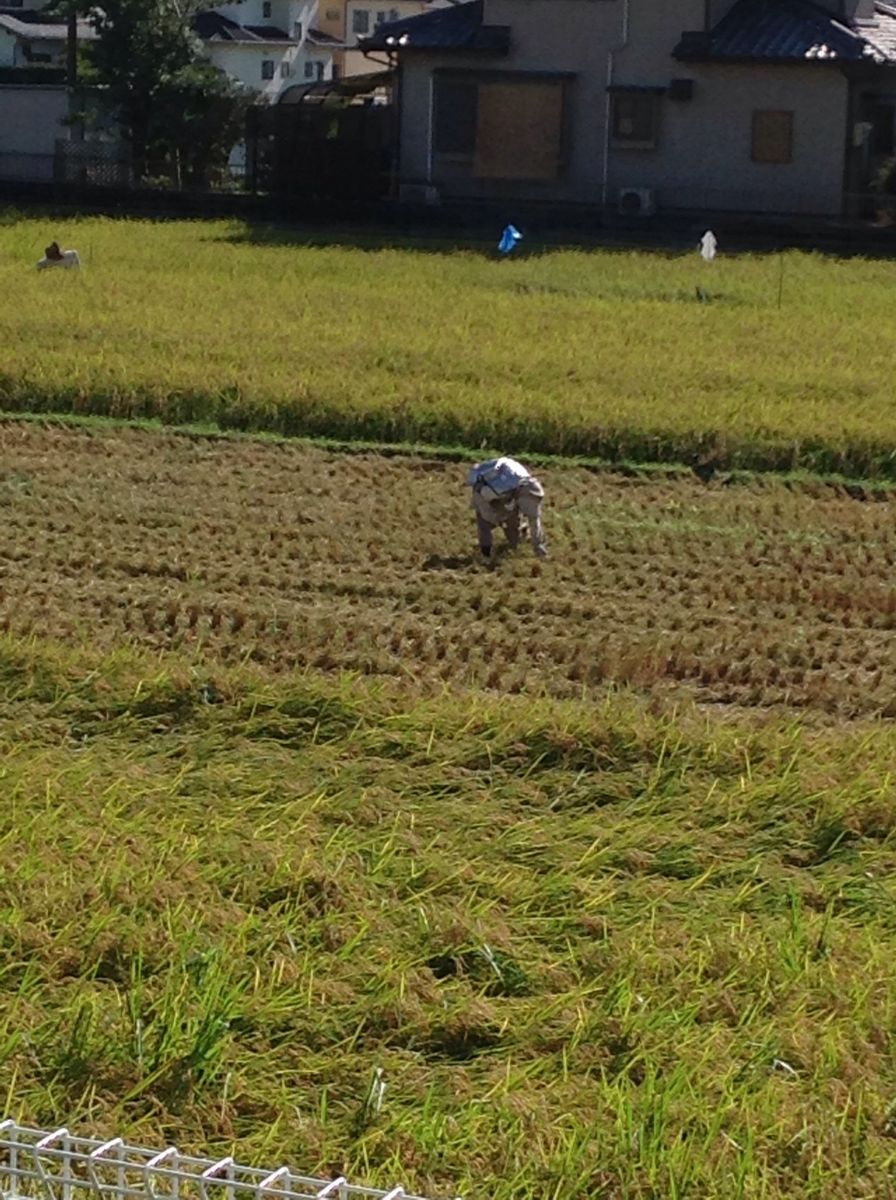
(637, 202)
(418, 193)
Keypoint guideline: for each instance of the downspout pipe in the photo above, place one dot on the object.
(611, 70)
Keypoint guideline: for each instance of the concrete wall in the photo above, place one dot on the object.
(566, 36)
(31, 121)
(702, 155)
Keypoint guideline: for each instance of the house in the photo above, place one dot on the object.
(766, 106)
(268, 45)
(31, 38)
(34, 102)
(346, 21)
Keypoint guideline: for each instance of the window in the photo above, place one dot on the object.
(394, 14)
(309, 70)
(500, 129)
(456, 106)
(772, 140)
(267, 68)
(266, 9)
(633, 118)
(297, 31)
(381, 16)
(360, 21)
(284, 70)
(880, 116)
(320, 70)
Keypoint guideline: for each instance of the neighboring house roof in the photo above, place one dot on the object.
(347, 88)
(883, 36)
(319, 38)
(212, 27)
(459, 27)
(35, 26)
(791, 31)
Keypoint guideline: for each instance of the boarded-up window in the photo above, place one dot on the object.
(456, 104)
(772, 136)
(634, 119)
(519, 130)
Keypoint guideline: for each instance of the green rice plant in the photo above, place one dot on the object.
(182, 322)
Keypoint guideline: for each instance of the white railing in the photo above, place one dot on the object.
(41, 1164)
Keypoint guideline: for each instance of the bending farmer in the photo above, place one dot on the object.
(504, 493)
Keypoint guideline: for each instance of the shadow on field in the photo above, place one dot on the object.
(466, 562)
(480, 241)
(479, 233)
(449, 562)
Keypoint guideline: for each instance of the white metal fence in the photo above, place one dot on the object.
(41, 1164)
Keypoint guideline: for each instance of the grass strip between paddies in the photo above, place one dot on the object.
(859, 488)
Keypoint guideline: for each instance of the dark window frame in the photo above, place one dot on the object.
(464, 153)
(455, 116)
(645, 132)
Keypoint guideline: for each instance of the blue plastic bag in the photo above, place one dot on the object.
(509, 239)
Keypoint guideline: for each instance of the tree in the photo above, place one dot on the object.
(177, 112)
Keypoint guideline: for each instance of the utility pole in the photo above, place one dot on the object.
(71, 70)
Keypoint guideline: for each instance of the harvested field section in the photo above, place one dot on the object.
(750, 595)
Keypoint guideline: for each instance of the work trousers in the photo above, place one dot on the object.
(526, 504)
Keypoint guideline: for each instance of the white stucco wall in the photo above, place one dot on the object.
(243, 60)
(31, 121)
(283, 12)
(381, 10)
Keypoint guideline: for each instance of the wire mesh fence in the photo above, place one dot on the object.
(41, 1164)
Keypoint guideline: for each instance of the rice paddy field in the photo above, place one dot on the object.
(736, 594)
(608, 354)
(324, 842)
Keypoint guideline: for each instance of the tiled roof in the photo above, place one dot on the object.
(791, 31)
(268, 33)
(212, 27)
(883, 35)
(317, 37)
(38, 27)
(459, 27)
